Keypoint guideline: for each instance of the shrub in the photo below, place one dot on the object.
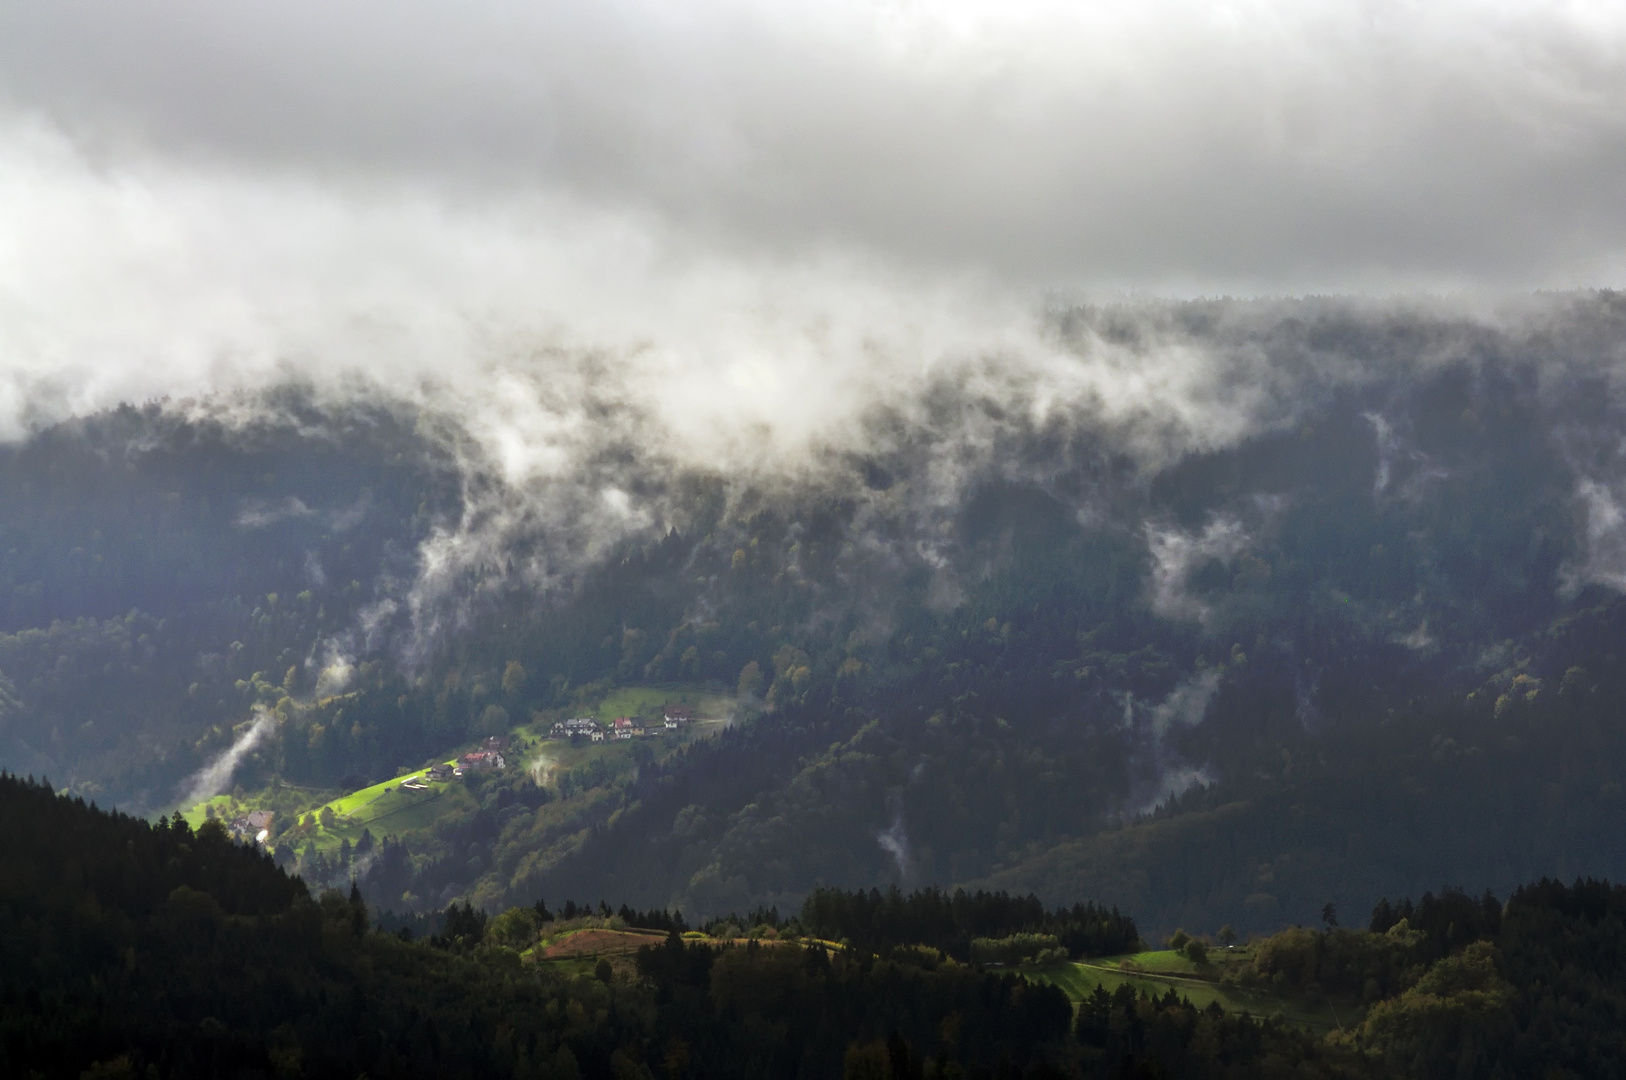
(515, 928)
(1011, 950)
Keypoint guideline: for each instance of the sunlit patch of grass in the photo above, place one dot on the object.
(1079, 979)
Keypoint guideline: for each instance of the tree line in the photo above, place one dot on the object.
(875, 921)
(129, 949)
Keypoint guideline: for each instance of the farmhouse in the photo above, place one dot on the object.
(676, 716)
(440, 772)
(255, 826)
(577, 725)
(598, 735)
(483, 761)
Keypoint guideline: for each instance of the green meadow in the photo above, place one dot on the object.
(1157, 972)
(646, 702)
(388, 809)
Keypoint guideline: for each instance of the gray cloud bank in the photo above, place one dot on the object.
(604, 246)
(1262, 145)
(775, 216)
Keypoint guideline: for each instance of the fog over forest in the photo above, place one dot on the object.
(758, 238)
(768, 216)
(736, 538)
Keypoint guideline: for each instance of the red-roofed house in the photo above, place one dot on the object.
(484, 760)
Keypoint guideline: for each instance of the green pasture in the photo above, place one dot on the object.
(225, 807)
(1157, 961)
(387, 810)
(646, 701)
(386, 805)
(1155, 973)
(574, 753)
(383, 808)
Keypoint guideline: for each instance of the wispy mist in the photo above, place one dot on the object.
(216, 776)
(599, 250)
(1162, 773)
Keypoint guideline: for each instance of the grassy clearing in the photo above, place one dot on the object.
(576, 753)
(224, 807)
(386, 809)
(595, 941)
(1158, 961)
(1157, 972)
(646, 702)
(382, 808)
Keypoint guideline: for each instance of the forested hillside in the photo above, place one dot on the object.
(1365, 647)
(128, 950)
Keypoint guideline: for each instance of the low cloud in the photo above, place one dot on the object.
(602, 252)
(1186, 704)
(259, 513)
(1171, 784)
(1177, 554)
(1604, 558)
(336, 669)
(215, 777)
(894, 840)
(1388, 447)
(1162, 774)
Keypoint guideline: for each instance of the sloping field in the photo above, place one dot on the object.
(601, 942)
(387, 809)
(1157, 961)
(646, 701)
(1079, 979)
(380, 799)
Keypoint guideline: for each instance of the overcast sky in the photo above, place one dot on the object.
(729, 234)
(768, 196)
(1163, 145)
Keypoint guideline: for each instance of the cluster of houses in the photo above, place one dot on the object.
(622, 727)
(578, 727)
(492, 755)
